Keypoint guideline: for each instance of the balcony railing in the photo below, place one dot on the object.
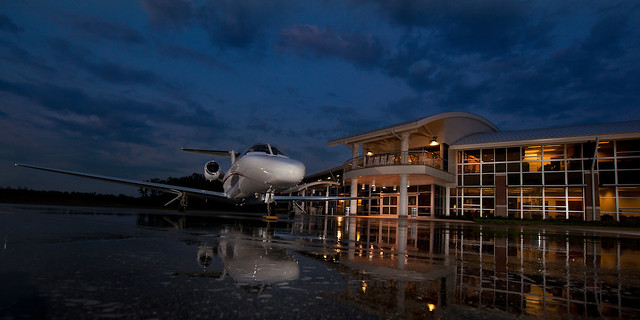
(421, 158)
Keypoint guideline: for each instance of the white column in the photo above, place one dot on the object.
(447, 202)
(402, 202)
(404, 148)
(355, 153)
(354, 193)
(326, 203)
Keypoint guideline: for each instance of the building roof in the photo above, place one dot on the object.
(578, 133)
(407, 126)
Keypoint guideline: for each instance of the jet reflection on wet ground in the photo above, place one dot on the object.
(60, 262)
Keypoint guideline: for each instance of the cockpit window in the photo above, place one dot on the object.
(277, 152)
(259, 148)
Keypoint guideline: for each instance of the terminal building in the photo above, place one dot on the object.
(459, 163)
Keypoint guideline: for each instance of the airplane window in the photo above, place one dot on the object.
(259, 148)
(277, 152)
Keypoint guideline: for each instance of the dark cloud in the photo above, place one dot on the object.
(104, 70)
(120, 74)
(6, 24)
(238, 23)
(13, 53)
(175, 14)
(189, 54)
(109, 30)
(105, 116)
(606, 36)
(468, 25)
(362, 50)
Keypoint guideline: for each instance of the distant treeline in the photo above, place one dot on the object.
(147, 198)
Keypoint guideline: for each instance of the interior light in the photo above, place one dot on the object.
(433, 142)
(369, 153)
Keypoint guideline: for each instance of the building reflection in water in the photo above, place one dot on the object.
(420, 269)
(414, 267)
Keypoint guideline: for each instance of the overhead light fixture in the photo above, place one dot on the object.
(369, 153)
(434, 142)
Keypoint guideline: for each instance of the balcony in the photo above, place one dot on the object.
(419, 158)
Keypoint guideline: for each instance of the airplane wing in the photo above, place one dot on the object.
(177, 190)
(223, 153)
(318, 198)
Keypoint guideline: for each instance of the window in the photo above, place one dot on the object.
(277, 151)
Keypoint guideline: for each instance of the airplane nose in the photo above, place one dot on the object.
(288, 173)
(296, 171)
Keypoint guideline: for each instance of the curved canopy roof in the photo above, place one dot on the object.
(412, 125)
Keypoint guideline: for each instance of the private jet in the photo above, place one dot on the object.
(255, 176)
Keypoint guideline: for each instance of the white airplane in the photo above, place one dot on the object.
(255, 176)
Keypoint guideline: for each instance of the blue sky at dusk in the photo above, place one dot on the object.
(117, 87)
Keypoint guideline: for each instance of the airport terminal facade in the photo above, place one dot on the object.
(459, 163)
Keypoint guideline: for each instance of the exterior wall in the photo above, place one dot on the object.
(550, 181)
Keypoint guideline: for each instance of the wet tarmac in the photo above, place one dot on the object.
(96, 263)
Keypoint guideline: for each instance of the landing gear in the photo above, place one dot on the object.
(183, 201)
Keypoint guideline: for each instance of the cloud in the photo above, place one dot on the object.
(102, 69)
(362, 50)
(6, 24)
(121, 74)
(109, 30)
(176, 14)
(238, 23)
(190, 54)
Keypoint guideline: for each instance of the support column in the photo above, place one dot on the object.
(354, 193)
(404, 148)
(447, 202)
(326, 203)
(355, 153)
(402, 202)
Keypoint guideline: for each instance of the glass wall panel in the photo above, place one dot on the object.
(472, 180)
(513, 154)
(501, 154)
(488, 155)
(574, 151)
(487, 179)
(513, 179)
(532, 166)
(628, 148)
(554, 166)
(530, 179)
(471, 192)
(628, 176)
(555, 151)
(628, 163)
(472, 168)
(605, 150)
(574, 165)
(607, 177)
(531, 153)
(472, 156)
(554, 178)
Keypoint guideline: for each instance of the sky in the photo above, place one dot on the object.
(118, 87)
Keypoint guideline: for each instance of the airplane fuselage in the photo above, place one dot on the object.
(260, 173)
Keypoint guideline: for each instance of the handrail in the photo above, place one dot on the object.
(422, 158)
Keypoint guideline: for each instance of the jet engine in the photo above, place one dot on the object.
(212, 171)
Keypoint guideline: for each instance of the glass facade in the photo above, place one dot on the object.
(550, 181)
